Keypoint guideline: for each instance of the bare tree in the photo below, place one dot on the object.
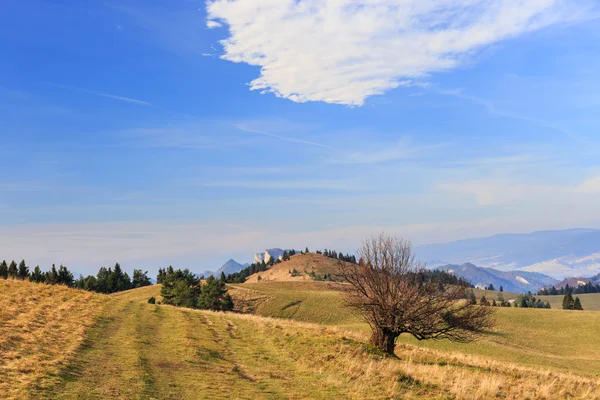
(394, 295)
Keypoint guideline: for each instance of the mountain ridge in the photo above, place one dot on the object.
(556, 253)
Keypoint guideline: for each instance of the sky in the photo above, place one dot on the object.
(185, 132)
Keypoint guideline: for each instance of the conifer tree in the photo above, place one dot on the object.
(12, 270)
(23, 272)
(568, 301)
(3, 270)
(227, 304)
(65, 277)
(577, 304)
(52, 276)
(37, 275)
(223, 277)
(483, 301)
(140, 279)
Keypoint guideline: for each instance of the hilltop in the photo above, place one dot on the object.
(300, 267)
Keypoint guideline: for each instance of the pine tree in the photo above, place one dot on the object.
(472, 298)
(65, 277)
(306, 250)
(227, 304)
(501, 288)
(223, 277)
(37, 275)
(491, 287)
(577, 304)
(568, 301)
(12, 270)
(140, 279)
(52, 276)
(3, 270)
(23, 272)
(483, 301)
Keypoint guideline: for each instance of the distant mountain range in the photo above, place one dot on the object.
(229, 267)
(558, 254)
(511, 281)
(578, 281)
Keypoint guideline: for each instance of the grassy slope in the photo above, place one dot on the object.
(40, 329)
(150, 351)
(556, 339)
(141, 351)
(304, 264)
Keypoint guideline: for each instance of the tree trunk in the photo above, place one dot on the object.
(384, 340)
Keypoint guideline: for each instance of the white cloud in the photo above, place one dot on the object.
(213, 24)
(344, 51)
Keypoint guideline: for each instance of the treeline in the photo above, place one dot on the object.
(522, 301)
(107, 280)
(338, 256)
(589, 287)
(183, 288)
(241, 276)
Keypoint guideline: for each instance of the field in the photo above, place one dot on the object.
(41, 328)
(136, 350)
(554, 339)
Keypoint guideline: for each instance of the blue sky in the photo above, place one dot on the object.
(186, 133)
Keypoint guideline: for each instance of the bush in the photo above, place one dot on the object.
(151, 300)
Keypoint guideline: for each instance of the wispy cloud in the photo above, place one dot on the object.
(106, 95)
(382, 153)
(246, 128)
(495, 110)
(288, 184)
(345, 51)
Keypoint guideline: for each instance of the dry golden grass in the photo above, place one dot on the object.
(304, 264)
(137, 350)
(338, 359)
(41, 327)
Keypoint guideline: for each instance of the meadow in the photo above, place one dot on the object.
(119, 346)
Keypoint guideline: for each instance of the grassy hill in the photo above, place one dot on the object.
(309, 266)
(41, 328)
(136, 350)
(556, 339)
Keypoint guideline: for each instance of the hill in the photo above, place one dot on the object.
(559, 254)
(309, 266)
(512, 281)
(556, 339)
(137, 350)
(41, 328)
